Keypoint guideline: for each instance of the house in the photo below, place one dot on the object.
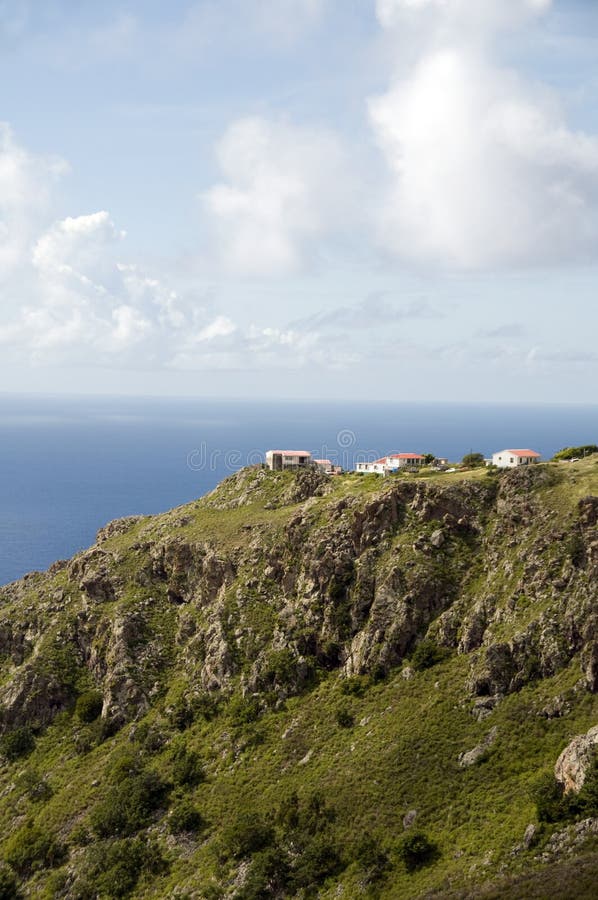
(511, 459)
(287, 459)
(328, 467)
(377, 467)
(391, 463)
(404, 461)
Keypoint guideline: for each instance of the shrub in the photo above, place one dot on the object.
(576, 549)
(8, 885)
(248, 834)
(243, 710)
(427, 654)
(416, 850)
(344, 718)
(128, 805)
(379, 673)
(35, 786)
(586, 802)
(32, 847)
(112, 869)
(372, 858)
(187, 768)
(89, 706)
(548, 795)
(267, 877)
(186, 709)
(17, 743)
(575, 452)
(356, 685)
(319, 860)
(306, 818)
(473, 460)
(185, 817)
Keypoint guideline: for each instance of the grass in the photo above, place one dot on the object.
(373, 754)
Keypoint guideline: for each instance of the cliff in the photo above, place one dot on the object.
(303, 686)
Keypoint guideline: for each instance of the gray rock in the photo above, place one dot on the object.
(471, 757)
(409, 818)
(437, 538)
(529, 836)
(483, 706)
(576, 759)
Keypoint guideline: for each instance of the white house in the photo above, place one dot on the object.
(287, 459)
(391, 463)
(404, 461)
(511, 459)
(378, 467)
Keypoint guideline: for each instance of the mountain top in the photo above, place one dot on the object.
(305, 686)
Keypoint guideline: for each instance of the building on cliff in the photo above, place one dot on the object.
(287, 459)
(391, 463)
(511, 459)
(328, 467)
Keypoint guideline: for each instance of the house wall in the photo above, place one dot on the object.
(505, 460)
(279, 461)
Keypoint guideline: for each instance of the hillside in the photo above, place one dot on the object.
(301, 686)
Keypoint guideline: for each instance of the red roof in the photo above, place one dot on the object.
(291, 452)
(524, 453)
(405, 456)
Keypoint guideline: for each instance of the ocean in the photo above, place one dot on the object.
(69, 464)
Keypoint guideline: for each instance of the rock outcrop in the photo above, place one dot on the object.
(576, 759)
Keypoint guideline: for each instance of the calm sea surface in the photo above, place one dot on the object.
(67, 466)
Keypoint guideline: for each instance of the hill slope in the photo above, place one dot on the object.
(298, 686)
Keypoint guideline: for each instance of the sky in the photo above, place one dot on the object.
(335, 199)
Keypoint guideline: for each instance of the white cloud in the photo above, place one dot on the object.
(79, 303)
(284, 187)
(484, 169)
(485, 14)
(25, 183)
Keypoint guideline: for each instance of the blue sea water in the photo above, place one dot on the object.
(69, 465)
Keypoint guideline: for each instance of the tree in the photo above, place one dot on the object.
(473, 460)
(417, 850)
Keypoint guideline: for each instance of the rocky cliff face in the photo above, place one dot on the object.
(277, 587)
(342, 579)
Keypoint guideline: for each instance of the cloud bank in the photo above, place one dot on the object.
(484, 171)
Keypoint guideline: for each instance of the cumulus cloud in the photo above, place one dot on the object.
(284, 186)
(484, 168)
(77, 302)
(25, 184)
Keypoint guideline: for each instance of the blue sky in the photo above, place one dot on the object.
(290, 198)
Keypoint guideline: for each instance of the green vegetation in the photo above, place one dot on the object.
(416, 850)
(283, 680)
(568, 453)
(554, 805)
(427, 654)
(184, 816)
(89, 706)
(32, 847)
(8, 884)
(133, 795)
(17, 743)
(473, 460)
